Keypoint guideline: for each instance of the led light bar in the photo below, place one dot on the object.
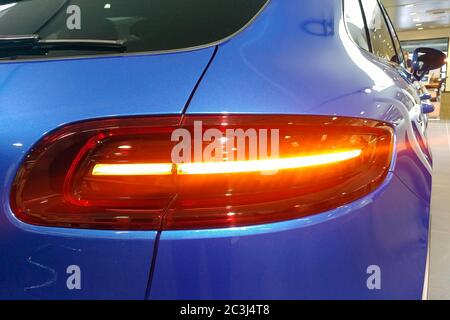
(143, 169)
(132, 169)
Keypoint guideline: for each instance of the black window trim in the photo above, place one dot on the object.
(392, 30)
(369, 42)
(366, 27)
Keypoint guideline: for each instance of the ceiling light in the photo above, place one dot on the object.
(409, 5)
(420, 28)
(413, 13)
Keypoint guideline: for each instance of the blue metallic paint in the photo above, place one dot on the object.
(296, 58)
(322, 257)
(298, 72)
(325, 256)
(33, 260)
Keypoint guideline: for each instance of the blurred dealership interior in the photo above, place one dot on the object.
(426, 23)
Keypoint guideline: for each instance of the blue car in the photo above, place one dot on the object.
(169, 149)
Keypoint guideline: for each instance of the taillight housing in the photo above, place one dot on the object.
(120, 173)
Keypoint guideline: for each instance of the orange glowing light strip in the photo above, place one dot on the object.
(132, 169)
(147, 169)
(266, 165)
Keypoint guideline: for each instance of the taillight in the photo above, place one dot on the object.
(121, 173)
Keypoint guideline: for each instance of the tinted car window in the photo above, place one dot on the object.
(397, 45)
(145, 25)
(380, 36)
(355, 23)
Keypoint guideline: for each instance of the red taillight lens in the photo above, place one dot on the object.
(120, 173)
(54, 187)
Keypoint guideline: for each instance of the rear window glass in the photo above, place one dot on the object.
(144, 25)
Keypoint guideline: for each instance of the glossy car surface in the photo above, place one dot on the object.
(295, 58)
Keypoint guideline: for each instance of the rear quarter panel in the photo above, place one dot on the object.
(297, 58)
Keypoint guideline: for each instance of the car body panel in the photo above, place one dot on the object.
(344, 79)
(321, 257)
(34, 260)
(295, 58)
